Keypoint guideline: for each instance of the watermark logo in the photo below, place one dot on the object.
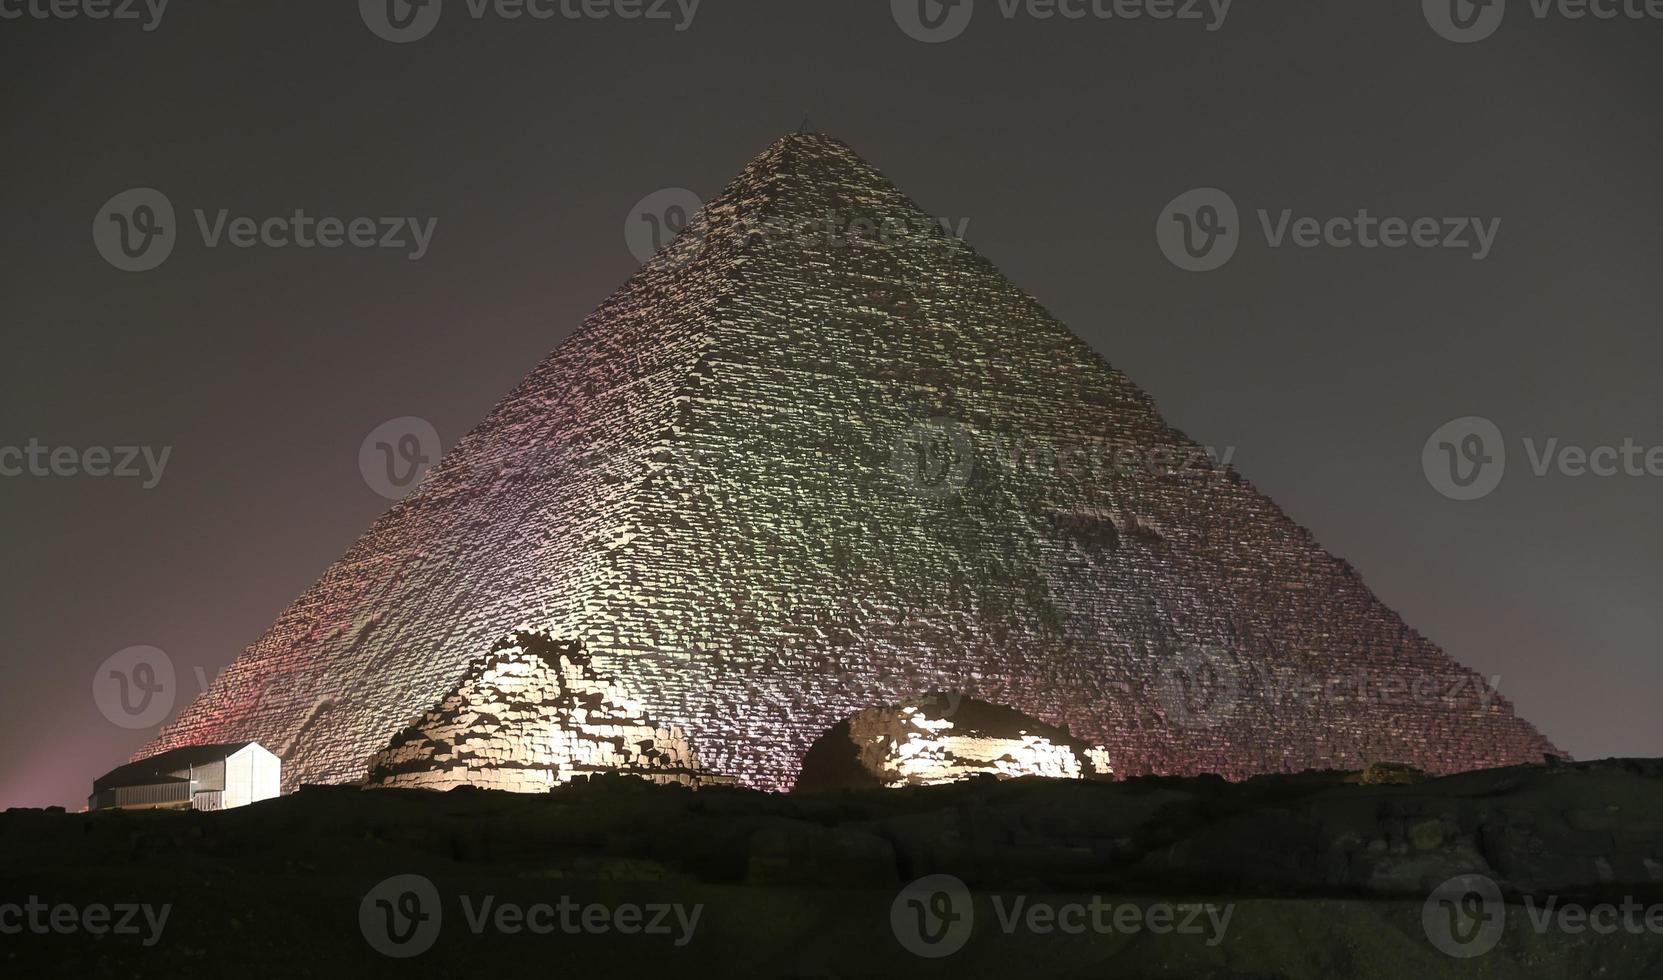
(41, 918)
(1465, 459)
(933, 917)
(658, 221)
(1464, 21)
(401, 21)
(1110, 918)
(655, 221)
(935, 21)
(1200, 230)
(1464, 917)
(135, 687)
(135, 231)
(150, 12)
(932, 21)
(934, 458)
(1202, 687)
(400, 917)
(397, 454)
(1467, 21)
(1198, 687)
(837, 230)
(143, 463)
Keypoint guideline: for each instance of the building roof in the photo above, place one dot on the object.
(160, 768)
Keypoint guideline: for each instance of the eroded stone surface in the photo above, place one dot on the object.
(533, 714)
(944, 738)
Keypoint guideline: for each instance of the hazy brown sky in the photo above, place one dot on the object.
(1056, 143)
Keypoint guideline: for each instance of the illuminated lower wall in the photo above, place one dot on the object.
(943, 738)
(533, 714)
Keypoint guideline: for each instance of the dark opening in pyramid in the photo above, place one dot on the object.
(710, 486)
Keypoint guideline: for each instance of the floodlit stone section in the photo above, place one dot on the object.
(915, 749)
(943, 739)
(535, 713)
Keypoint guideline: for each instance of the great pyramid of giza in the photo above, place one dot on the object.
(790, 471)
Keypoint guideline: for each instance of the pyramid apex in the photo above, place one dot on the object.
(789, 152)
(807, 136)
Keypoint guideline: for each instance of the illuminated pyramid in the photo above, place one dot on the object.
(819, 456)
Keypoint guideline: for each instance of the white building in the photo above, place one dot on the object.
(195, 777)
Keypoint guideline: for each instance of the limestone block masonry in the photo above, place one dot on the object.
(700, 486)
(531, 715)
(942, 738)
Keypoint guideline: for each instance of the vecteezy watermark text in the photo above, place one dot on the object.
(137, 230)
(402, 917)
(934, 917)
(1466, 917)
(672, 920)
(1200, 230)
(137, 687)
(1202, 687)
(143, 463)
(935, 21)
(403, 21)
(1467, 21)
(150, 12)
(657, 219)
(937, 458)
(1466, 459)
(41, 918)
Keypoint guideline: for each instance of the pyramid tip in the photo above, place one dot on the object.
(807, 136)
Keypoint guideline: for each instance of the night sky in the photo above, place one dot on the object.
(1056, 143)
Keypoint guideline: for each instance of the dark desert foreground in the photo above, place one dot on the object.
(1315, 875)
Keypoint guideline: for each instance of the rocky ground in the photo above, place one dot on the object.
(1558, 872)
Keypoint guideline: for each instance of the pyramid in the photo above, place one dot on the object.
(817, 456)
